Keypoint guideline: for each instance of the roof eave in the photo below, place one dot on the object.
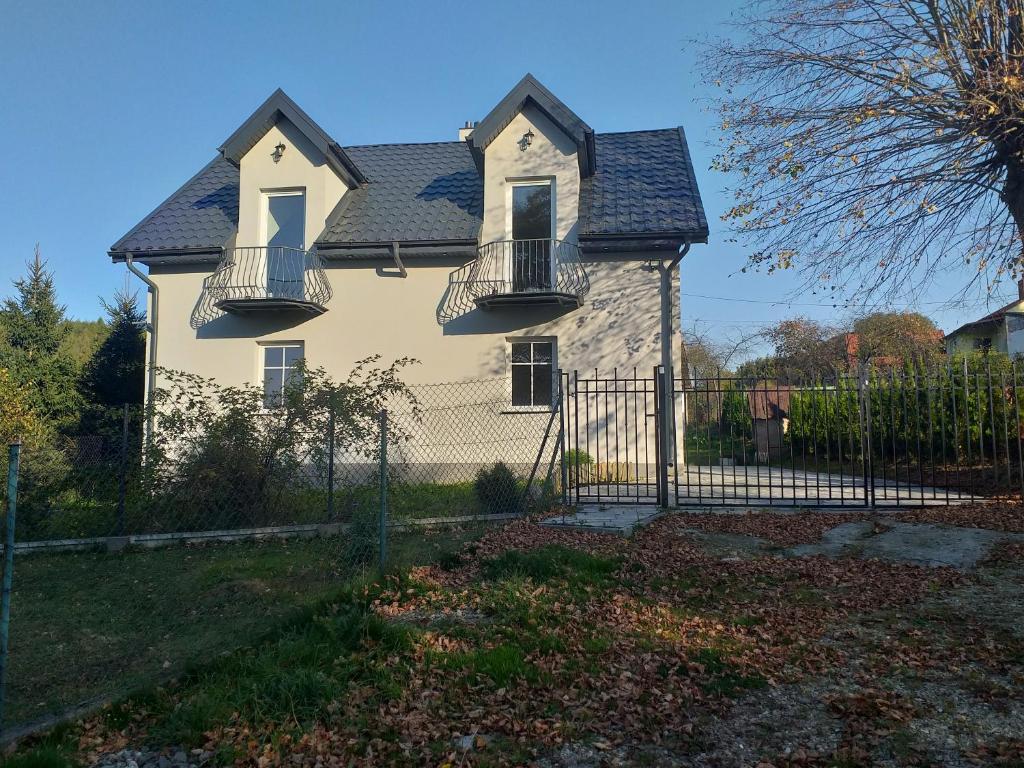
(198, 255)
(640, 241)
(409, 249)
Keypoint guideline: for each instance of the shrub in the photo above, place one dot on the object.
(574, 455)
(576, 458)
(219, 458)
(497, 490)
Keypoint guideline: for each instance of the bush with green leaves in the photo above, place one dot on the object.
(735, 412)
(218, 457)
(966, 410)
(497, 490)
(578, 465)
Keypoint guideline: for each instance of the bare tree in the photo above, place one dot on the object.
(707, 352)
(877, 141)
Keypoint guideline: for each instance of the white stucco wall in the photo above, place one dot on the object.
(375, 311)
(302, 166)
(1015, 333)
(966, 342)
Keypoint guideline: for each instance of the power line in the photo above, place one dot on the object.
(834, 305)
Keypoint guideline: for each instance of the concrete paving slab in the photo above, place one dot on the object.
(918, 543)
(621, 519)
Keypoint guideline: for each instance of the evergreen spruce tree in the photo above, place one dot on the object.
(115, 375)
(34, 326)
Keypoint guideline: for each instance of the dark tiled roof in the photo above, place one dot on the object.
(644, 185)
(201, 215)
(415, 192)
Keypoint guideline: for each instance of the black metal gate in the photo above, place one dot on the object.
(907, 437)
(612, 428)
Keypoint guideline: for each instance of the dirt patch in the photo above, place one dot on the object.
(785, 529)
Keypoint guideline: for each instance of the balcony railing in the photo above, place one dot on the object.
(528, 272)
(269, 278)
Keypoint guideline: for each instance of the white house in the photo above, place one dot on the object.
(999, 331)
(529, 244)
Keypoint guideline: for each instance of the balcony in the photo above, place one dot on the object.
(522, 272)
(261, 279)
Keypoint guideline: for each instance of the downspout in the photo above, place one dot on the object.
(668, 425)
(665, 268)
(151, 328)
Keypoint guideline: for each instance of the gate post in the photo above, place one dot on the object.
(661, 431)
(864, 402)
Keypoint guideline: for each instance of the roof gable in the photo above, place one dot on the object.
(530, 91)
(267, 116)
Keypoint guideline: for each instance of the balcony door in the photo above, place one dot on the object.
(285, 225)
(531, 237)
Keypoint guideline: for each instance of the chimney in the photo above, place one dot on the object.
(1020, 289)
(465, 130)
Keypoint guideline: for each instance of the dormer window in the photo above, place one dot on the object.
(284, 226)
(531, 225)
(285, 219)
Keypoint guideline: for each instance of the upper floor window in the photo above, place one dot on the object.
(279, 370)
(531, 225)
(284, 228)
(533, 373)
(531, 210)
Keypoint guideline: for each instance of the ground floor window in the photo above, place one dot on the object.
(533, 373)
(279, 366)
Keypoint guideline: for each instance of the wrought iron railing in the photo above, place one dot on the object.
(528, 268)
(272, 273)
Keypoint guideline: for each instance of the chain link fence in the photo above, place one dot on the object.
(139, 555)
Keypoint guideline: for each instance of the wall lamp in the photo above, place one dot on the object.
(278, 151)
(526, 141)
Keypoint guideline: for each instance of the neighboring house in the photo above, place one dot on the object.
(769, 413)
(999, 331)
(525, 246)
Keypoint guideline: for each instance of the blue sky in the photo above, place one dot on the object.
(108, 107)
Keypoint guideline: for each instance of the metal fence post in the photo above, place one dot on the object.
(122, 485)
(330, 465)
(383, 527)
(563, 468)
(14, 457)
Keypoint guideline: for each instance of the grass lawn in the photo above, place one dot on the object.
(91, 624)
(543, 646)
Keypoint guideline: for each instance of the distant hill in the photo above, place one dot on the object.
(83, 339)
